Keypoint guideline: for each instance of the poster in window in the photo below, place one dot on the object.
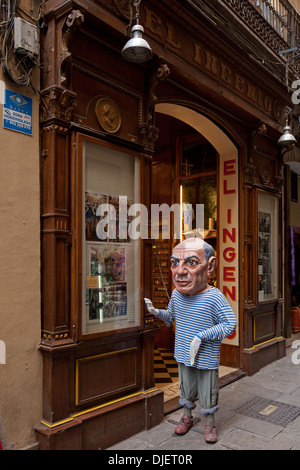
(106, 287)
(109, 223)
(92, 201)
(265, 254)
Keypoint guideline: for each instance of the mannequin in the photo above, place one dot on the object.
(203, 319)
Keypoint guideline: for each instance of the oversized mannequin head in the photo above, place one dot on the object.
(192, 262)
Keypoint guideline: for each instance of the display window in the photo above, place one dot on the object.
(267, 247)
(110, 256)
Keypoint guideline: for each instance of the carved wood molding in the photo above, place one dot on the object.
(57, 103)
(149, 135)
(145, 119)
(279, 181)
(114, 85)
(120, 8)
(148, 131)
(70, 25)
(249, 169)
(249, 173)
(159, 75)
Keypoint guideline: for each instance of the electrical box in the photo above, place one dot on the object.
(25, 37)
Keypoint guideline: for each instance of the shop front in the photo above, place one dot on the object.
(194, 128)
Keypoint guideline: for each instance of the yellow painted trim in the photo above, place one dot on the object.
(265, 342)
(58, 423)
(82, 359)
(75, 415)
(104, 404)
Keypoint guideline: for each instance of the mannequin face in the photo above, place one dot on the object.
(190, 270)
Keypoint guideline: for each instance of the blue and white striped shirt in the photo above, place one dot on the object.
(207, 315)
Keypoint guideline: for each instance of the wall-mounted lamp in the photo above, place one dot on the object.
(137, 50)
(287, 137)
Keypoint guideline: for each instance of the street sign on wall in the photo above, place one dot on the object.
(17, 112)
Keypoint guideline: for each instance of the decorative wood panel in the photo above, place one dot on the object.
(101, 376)
(263, 326)
(262, 323)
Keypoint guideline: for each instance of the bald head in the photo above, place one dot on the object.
(195, 243)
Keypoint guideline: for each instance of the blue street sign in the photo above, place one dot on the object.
(17, 112)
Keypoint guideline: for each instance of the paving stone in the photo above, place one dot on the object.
(255, 426)
(158, 434)
(289, 438)
(134, 444)
(191, 441)
(239, 439)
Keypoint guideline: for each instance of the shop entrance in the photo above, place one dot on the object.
(186, 170)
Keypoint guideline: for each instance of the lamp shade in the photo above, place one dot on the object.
(287, 138)
(137, 49)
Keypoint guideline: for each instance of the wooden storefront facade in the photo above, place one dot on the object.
(111, 128)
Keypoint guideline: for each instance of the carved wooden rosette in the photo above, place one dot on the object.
(108, 115)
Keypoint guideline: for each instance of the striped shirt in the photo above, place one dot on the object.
(207, 315)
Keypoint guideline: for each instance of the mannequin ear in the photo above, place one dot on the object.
(212, 264)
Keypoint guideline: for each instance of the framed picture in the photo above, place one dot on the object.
(106, 287)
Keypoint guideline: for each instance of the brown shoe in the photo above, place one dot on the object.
(210, 433)
(184, 425)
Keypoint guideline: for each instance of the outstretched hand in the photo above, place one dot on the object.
(150, 307)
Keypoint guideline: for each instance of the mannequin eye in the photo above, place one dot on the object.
(174, 262)
(191, 262)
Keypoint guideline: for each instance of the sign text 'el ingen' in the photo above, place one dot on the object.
(17, 112)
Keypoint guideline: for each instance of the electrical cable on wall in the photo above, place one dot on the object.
(17, 65)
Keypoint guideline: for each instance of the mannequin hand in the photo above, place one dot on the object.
(150, 307)
(195, 345)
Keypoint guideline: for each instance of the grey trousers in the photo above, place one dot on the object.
(199, 384)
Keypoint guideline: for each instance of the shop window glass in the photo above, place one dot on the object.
(202, 190)
(111, 259)
(267, 247)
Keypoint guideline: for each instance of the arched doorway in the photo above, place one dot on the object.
(195, 162)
